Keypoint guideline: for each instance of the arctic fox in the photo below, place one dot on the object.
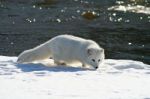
(66, 49)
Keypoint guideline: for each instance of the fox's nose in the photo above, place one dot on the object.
(96, 67)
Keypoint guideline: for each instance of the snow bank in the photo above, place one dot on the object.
(117, 79)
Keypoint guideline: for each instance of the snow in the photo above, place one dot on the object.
(117, 79)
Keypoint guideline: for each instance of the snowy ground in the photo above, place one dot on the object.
(117, 79)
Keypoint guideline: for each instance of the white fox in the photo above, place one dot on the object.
(66, 49)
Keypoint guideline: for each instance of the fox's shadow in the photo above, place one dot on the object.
(10, 67)
(40, 67)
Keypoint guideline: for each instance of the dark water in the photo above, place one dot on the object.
(124, 35)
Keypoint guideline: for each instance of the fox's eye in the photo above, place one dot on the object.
(99, 60)
(93, 60)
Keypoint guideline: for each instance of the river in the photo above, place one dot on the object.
(121, 27)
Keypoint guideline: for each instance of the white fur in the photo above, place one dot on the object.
(65, 49)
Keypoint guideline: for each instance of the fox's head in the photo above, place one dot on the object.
(95, 57)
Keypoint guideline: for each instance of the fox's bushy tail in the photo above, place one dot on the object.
(38, 53)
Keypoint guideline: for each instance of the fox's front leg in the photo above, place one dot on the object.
(59, 63)
(83, 65)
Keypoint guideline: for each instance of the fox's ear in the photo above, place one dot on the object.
(89, 52)
(102, 50)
